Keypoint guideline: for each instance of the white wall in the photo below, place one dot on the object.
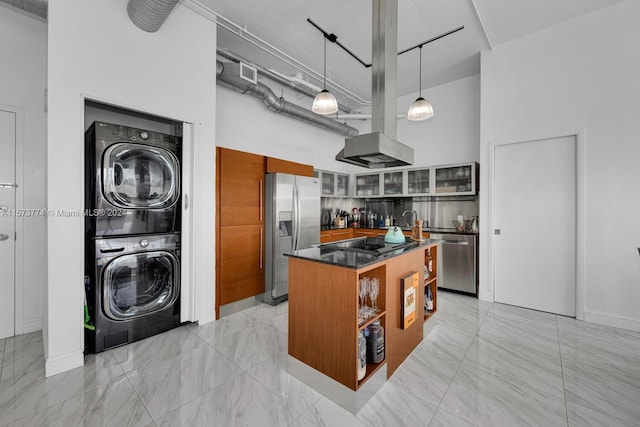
(578, 77)
(451, 136)
(244, 123)
(96, 52)
(23, 47)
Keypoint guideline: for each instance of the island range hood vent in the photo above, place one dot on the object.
(379, 149)
(375, 150)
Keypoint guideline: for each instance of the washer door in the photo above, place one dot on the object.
(137, 176)
(135, 285)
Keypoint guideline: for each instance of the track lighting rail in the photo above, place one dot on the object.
(334, 39)
(419, 45)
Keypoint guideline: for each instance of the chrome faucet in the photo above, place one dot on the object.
(414, 217)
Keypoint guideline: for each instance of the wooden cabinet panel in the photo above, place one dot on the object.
(241, 262)
(335, 235)
(284, 166)
(240, 221)
(401, 342)
(323, 319)
(241, 182)
(365, 233)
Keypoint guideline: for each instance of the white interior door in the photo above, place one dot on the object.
(535, 213)
(7, 222)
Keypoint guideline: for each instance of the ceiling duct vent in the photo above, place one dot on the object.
(248, 73)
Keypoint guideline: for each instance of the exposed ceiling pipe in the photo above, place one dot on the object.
(228, 75)
(364, 116)
(249, 37)
(149, 15)
(277, 77)
(34, 7)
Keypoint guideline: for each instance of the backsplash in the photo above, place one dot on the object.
(438, 211)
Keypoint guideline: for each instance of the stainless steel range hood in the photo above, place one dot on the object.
(379, 149)
(375, 150)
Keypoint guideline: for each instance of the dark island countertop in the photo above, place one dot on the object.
(339, 254)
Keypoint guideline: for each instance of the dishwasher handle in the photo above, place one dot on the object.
(456, 242)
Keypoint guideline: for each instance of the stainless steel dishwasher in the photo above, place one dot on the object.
(457, 266)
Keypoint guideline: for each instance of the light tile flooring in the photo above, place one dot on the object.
(480, 364)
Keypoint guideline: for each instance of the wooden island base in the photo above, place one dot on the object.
(324, 329)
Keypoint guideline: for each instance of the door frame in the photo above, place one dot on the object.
(580, 136)
(191, 138)
(18, 301)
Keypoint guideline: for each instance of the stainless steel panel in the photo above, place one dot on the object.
(457, 262)
(349, 399)
(308, 210)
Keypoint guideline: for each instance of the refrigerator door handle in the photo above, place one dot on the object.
(296, 216)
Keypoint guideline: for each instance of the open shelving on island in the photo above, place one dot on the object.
(432, 280)
(324, 325)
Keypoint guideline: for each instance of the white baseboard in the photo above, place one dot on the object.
(486, 296)
(32, 325)
(62, 363)
(206, 317)
(611, 320)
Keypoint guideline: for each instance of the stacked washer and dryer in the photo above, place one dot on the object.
(132, 224)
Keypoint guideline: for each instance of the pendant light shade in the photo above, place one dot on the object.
(421, 109)
(324, 102)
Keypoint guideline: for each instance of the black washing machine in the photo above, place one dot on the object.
(132, 181)
(133, 289)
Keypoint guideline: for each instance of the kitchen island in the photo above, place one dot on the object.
(323, 312)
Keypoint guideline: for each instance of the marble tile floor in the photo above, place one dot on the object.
(480, 364)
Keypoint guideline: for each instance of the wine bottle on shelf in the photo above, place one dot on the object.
(362, 356)
(429, 263)
(428, 299)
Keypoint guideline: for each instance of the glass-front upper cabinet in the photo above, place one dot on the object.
(342, 185)
(418, 181)
(328, 184)
(333, 184)
(456, 179)
(368, 185)
(393, 183)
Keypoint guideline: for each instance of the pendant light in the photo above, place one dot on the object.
(325, 102)
(421, 109)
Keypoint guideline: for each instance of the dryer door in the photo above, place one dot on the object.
(137, 176)
(135, 285)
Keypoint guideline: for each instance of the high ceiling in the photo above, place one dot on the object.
(283, 25)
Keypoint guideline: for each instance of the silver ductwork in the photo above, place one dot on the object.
(34, 7)
(278, 78)
(379, 149)
(229, 76)
(149, 15)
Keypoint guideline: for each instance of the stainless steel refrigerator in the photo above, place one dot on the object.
(292, 222)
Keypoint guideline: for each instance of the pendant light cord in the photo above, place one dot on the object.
(420, 73)
(324, 74)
